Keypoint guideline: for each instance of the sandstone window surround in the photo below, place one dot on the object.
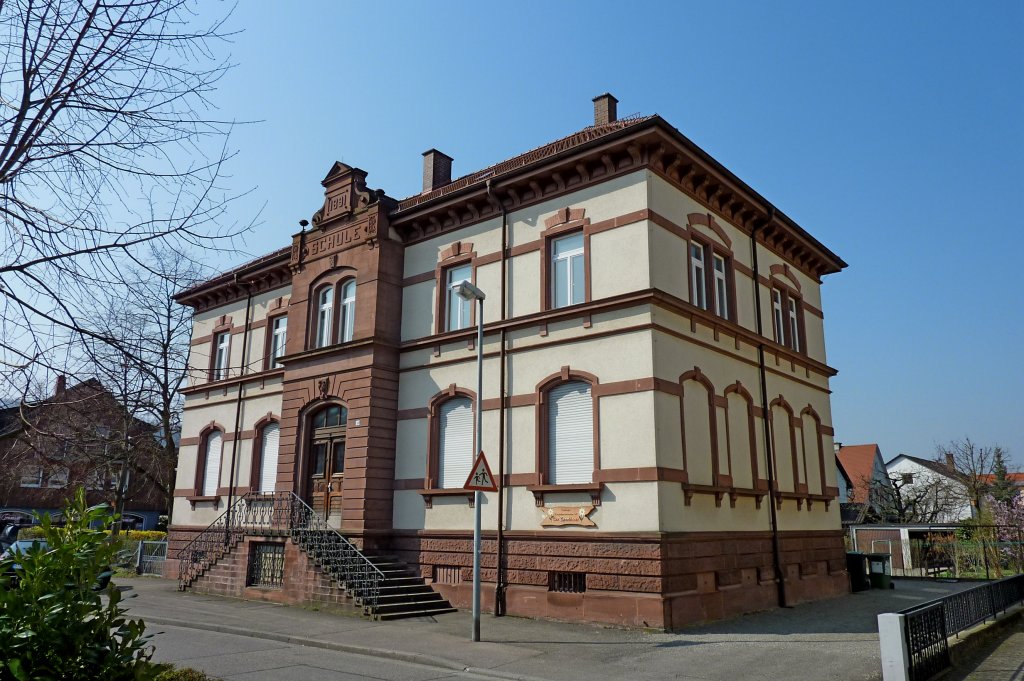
(277, 340)
(333, 312)
(451, 432)
(208, 465)
(263, 477)
(711, 277)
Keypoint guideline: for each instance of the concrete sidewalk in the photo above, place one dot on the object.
(834, 639)
(1001, 660)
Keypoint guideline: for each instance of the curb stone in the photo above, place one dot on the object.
(402, 656)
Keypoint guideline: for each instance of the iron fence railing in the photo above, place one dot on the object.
(929, 625)
(284, 514)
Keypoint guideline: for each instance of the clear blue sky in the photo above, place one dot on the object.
(894, 132)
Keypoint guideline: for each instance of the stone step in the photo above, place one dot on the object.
(422, 612)
(405, 597)
(407, 606)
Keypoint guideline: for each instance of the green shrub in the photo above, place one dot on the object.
(36, 532)
(52, 624)
(33, 532)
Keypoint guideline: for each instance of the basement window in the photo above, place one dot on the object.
(567, 582)
(266, 566)
(447, 574)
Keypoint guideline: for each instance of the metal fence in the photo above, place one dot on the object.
(928, 627)
(145, 557)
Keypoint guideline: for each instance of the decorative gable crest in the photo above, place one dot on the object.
(345, 192)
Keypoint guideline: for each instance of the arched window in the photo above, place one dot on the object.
(324, 316)
(211, 464)
(348, 310)
(269, 446)
(570, 434)
(455, 442)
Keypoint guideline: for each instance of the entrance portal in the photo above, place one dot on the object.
(327, 462)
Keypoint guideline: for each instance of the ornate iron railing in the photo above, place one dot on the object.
(283, 513)
(929, 625)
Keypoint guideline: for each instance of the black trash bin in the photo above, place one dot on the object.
(857, 566)
(880, 570)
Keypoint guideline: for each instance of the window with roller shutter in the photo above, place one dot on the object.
(211, 471)
(570, 434)
(269, 448)
(455, 442)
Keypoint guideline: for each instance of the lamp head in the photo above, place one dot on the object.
(467, 291)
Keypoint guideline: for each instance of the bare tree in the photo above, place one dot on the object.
(974, 463)
(105, 149)
(143, 361)
(924, 497)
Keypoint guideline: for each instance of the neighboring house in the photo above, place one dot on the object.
(844, 480)
(68, 440)
(866, 468)
(926, 491)
(621, 401)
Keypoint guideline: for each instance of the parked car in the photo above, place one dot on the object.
(22, 546)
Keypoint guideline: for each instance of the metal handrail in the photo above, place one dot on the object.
(282, 513)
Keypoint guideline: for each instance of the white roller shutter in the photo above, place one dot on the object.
(211, 475)
(268, 457)
(570, 434)
(455, 458)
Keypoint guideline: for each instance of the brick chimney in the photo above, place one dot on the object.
(949, 460)
(60, 386)
(437, 169)
(604, 109)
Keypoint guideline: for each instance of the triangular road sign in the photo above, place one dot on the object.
(480, 478)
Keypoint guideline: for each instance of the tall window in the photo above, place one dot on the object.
(780, 320)
(269, 447)
(278, 339)
(455, 442)
(221, 344)
(324, 316)
(721, 291)
(211, 467)
(568, 279)
(457, 308)
(794, 325)
(698, 275)
(348, 310)
(570, 434)
(58, 477)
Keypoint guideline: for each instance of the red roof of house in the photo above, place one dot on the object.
(1016, 478)
(859, 463)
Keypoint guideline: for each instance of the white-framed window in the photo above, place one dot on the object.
(457, 308)
(221, 348)
(58, 477)
(269, 448)
(455, 442)
(278, 339)
(568, 275)
(211, 469)
(324, 316)
(32, 474)
(348, 310)
(794, 325)
(570, 434)
(777, 315)
(721, 288)
(698, 293)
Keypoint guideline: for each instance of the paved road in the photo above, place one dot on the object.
(835, 639)
(242, 658)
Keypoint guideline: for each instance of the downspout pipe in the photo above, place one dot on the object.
(780, 578)
(499, 586)
(238, 408)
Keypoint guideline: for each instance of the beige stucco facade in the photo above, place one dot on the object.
(706, 425)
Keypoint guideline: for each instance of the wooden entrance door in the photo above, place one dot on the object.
(327, 462)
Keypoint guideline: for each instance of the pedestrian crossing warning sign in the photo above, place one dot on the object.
(480, 478)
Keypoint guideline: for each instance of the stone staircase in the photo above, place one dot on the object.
(400, 594)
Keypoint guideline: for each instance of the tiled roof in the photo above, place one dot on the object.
(938, 466)
(540, 153)
(859, 463)
(225, 277)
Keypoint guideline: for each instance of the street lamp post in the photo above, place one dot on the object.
(469, 292)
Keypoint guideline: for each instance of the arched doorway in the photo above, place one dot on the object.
(326, 461)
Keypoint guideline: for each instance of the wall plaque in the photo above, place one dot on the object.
(559, 516)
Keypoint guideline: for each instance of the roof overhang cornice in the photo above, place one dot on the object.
(258, 276)
(650, 144)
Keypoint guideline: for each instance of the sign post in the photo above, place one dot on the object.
(480, 480)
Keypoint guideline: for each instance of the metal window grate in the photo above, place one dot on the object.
(266, 566)
(567, 582)
(447, 574)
